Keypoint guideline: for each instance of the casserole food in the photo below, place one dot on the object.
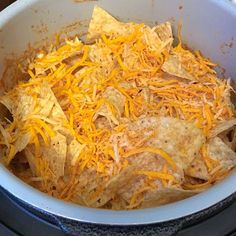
(192, 200)
(126, 121)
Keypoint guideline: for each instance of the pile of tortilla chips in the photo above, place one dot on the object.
(124, 121)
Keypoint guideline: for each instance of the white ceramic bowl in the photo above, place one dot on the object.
(208, 25)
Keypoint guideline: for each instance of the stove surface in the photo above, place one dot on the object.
(15, 220)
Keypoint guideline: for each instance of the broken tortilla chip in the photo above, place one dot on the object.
(180, 139)
(219, 151)
(185, 64)
(164, 32)
(174, 67)
(142, 167)
(101, 22)
(222, 126)
(3, 150)
(113, 107)
(55, 154)
(74, 150)
(167, 195)
(197, 169)
(31, 160)
(44, 112)
(157, 38)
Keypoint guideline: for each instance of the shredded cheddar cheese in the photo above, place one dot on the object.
(155, 174)
(151, 150)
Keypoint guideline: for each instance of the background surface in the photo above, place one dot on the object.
(5, 3)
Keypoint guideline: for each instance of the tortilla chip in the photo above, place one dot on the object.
(131, 188)
(44, 62)
(76, 198)
(74, 150)
(103, 56)
(197, 169)
(8, 103)
(218, 150)
(116, 186)
(44, 106)
(23, 139)
(117, 203)
(55, 154)
(226, 130)
(173, 66)
(222, 126)
(103, 22)
(102, 123)
(5, 135)
(31, 160)
(165, 76)
(229, 138)
(158, 38)
(53, 109)
(97, 53)
(3, 150)
(185, 64)
(128, 182)
(182, 140)
(167, 195)
(122, 179)
(19, 106)
(146, 94)
(164, 32)
(21, 143)
(58, 116)
(23, 103)
(91, 190)
(26, 105)
(117, 100)
(127, 85)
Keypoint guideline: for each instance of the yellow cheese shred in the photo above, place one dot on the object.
(153, 150)
(156, 174)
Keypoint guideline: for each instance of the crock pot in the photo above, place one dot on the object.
(209, 26)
